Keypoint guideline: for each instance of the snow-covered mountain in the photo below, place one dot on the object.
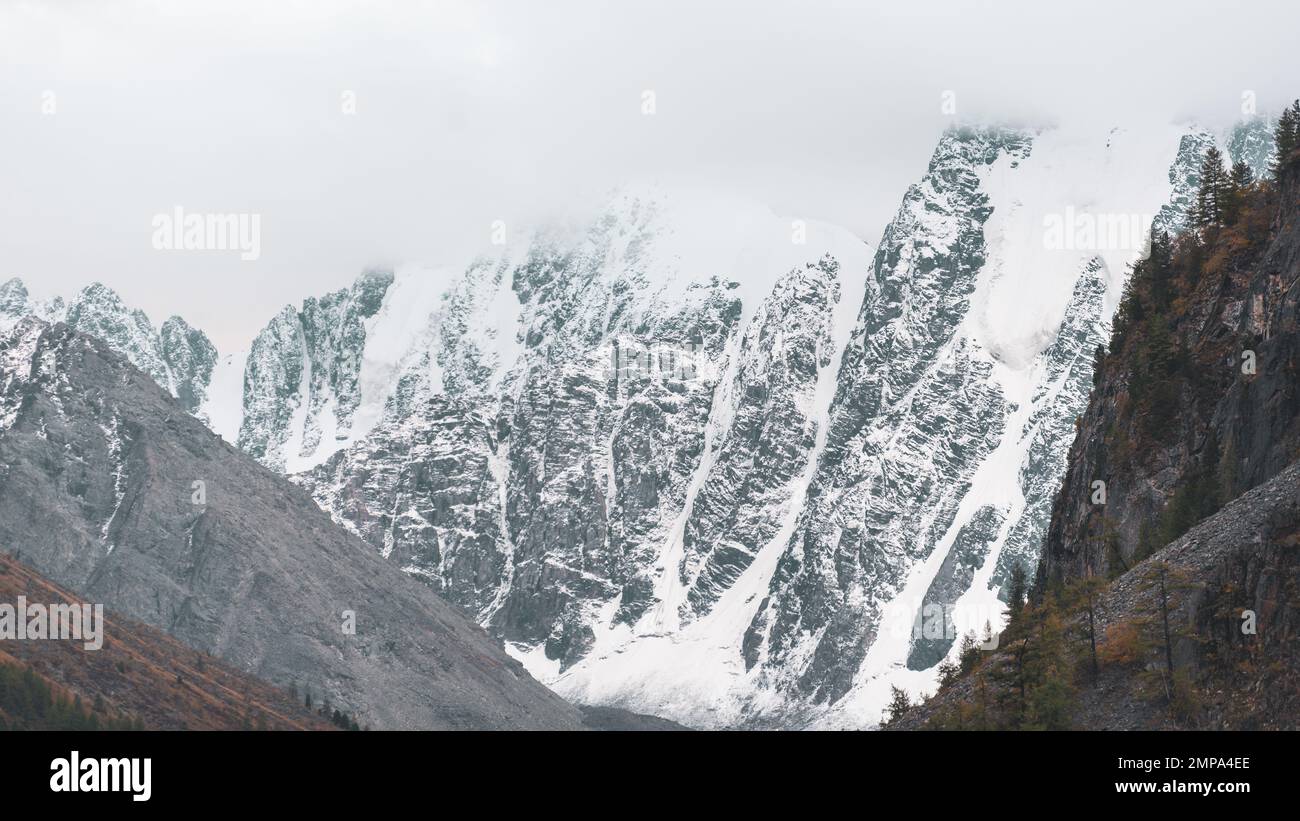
(701, 461)
(858, 435)
(302, 380)
(561, 408)
(179, 357)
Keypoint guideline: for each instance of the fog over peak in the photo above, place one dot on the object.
(382, 132)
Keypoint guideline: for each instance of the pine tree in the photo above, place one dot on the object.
(1286, 139)
(1240, 179)
(1018, 587)
(1241, 175)
(948, 672)
(1082, 596)
(1162, 575)
(1013, 685)
(1213, 195)
(969, 654)
(1165, 582)
(1150, 539)
(1158, 271)
(899, 704)
(1098, 363)
(1037, 690)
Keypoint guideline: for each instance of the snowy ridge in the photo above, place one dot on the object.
(178, 357)
(699, 460)
(692, 670)
(1018, 355)
(753, 545)
(302, 379)
(18, 344)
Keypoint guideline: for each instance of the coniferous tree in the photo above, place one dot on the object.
(1098, 362)
(1158, 271)
(1286, 139)
(1199, 495)
(1017, 589)
(948, 672)
(1166, 583)
(1240, 179)
(1033, 683)
(1213, 195)
(969, 654)
(1083, 595)
(1241, 175)
(1161, 571)
(899, 704)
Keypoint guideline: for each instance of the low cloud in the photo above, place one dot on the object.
(366, 133)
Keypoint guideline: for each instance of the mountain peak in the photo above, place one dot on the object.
(276, 582)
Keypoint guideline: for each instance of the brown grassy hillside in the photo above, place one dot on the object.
(140, 678)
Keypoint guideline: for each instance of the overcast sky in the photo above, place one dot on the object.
(466, 113)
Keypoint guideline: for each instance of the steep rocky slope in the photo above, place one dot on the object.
(1243, 560)
(553, 413)
(698, 460)
(110, 488)
(175, 355)
(301, 384)
(140, 676)
(720, 543)
(1200, 397)
(1167, 591)
(702, 461)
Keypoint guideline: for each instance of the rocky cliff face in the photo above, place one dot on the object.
(1172, 543)
(695, 484)
(916, 411)
(549, 419)
(1231, 599)
(700, 461)
(176, 356)
(302, 376)
(110, 488)
(1167, 592)
(1226, 408)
